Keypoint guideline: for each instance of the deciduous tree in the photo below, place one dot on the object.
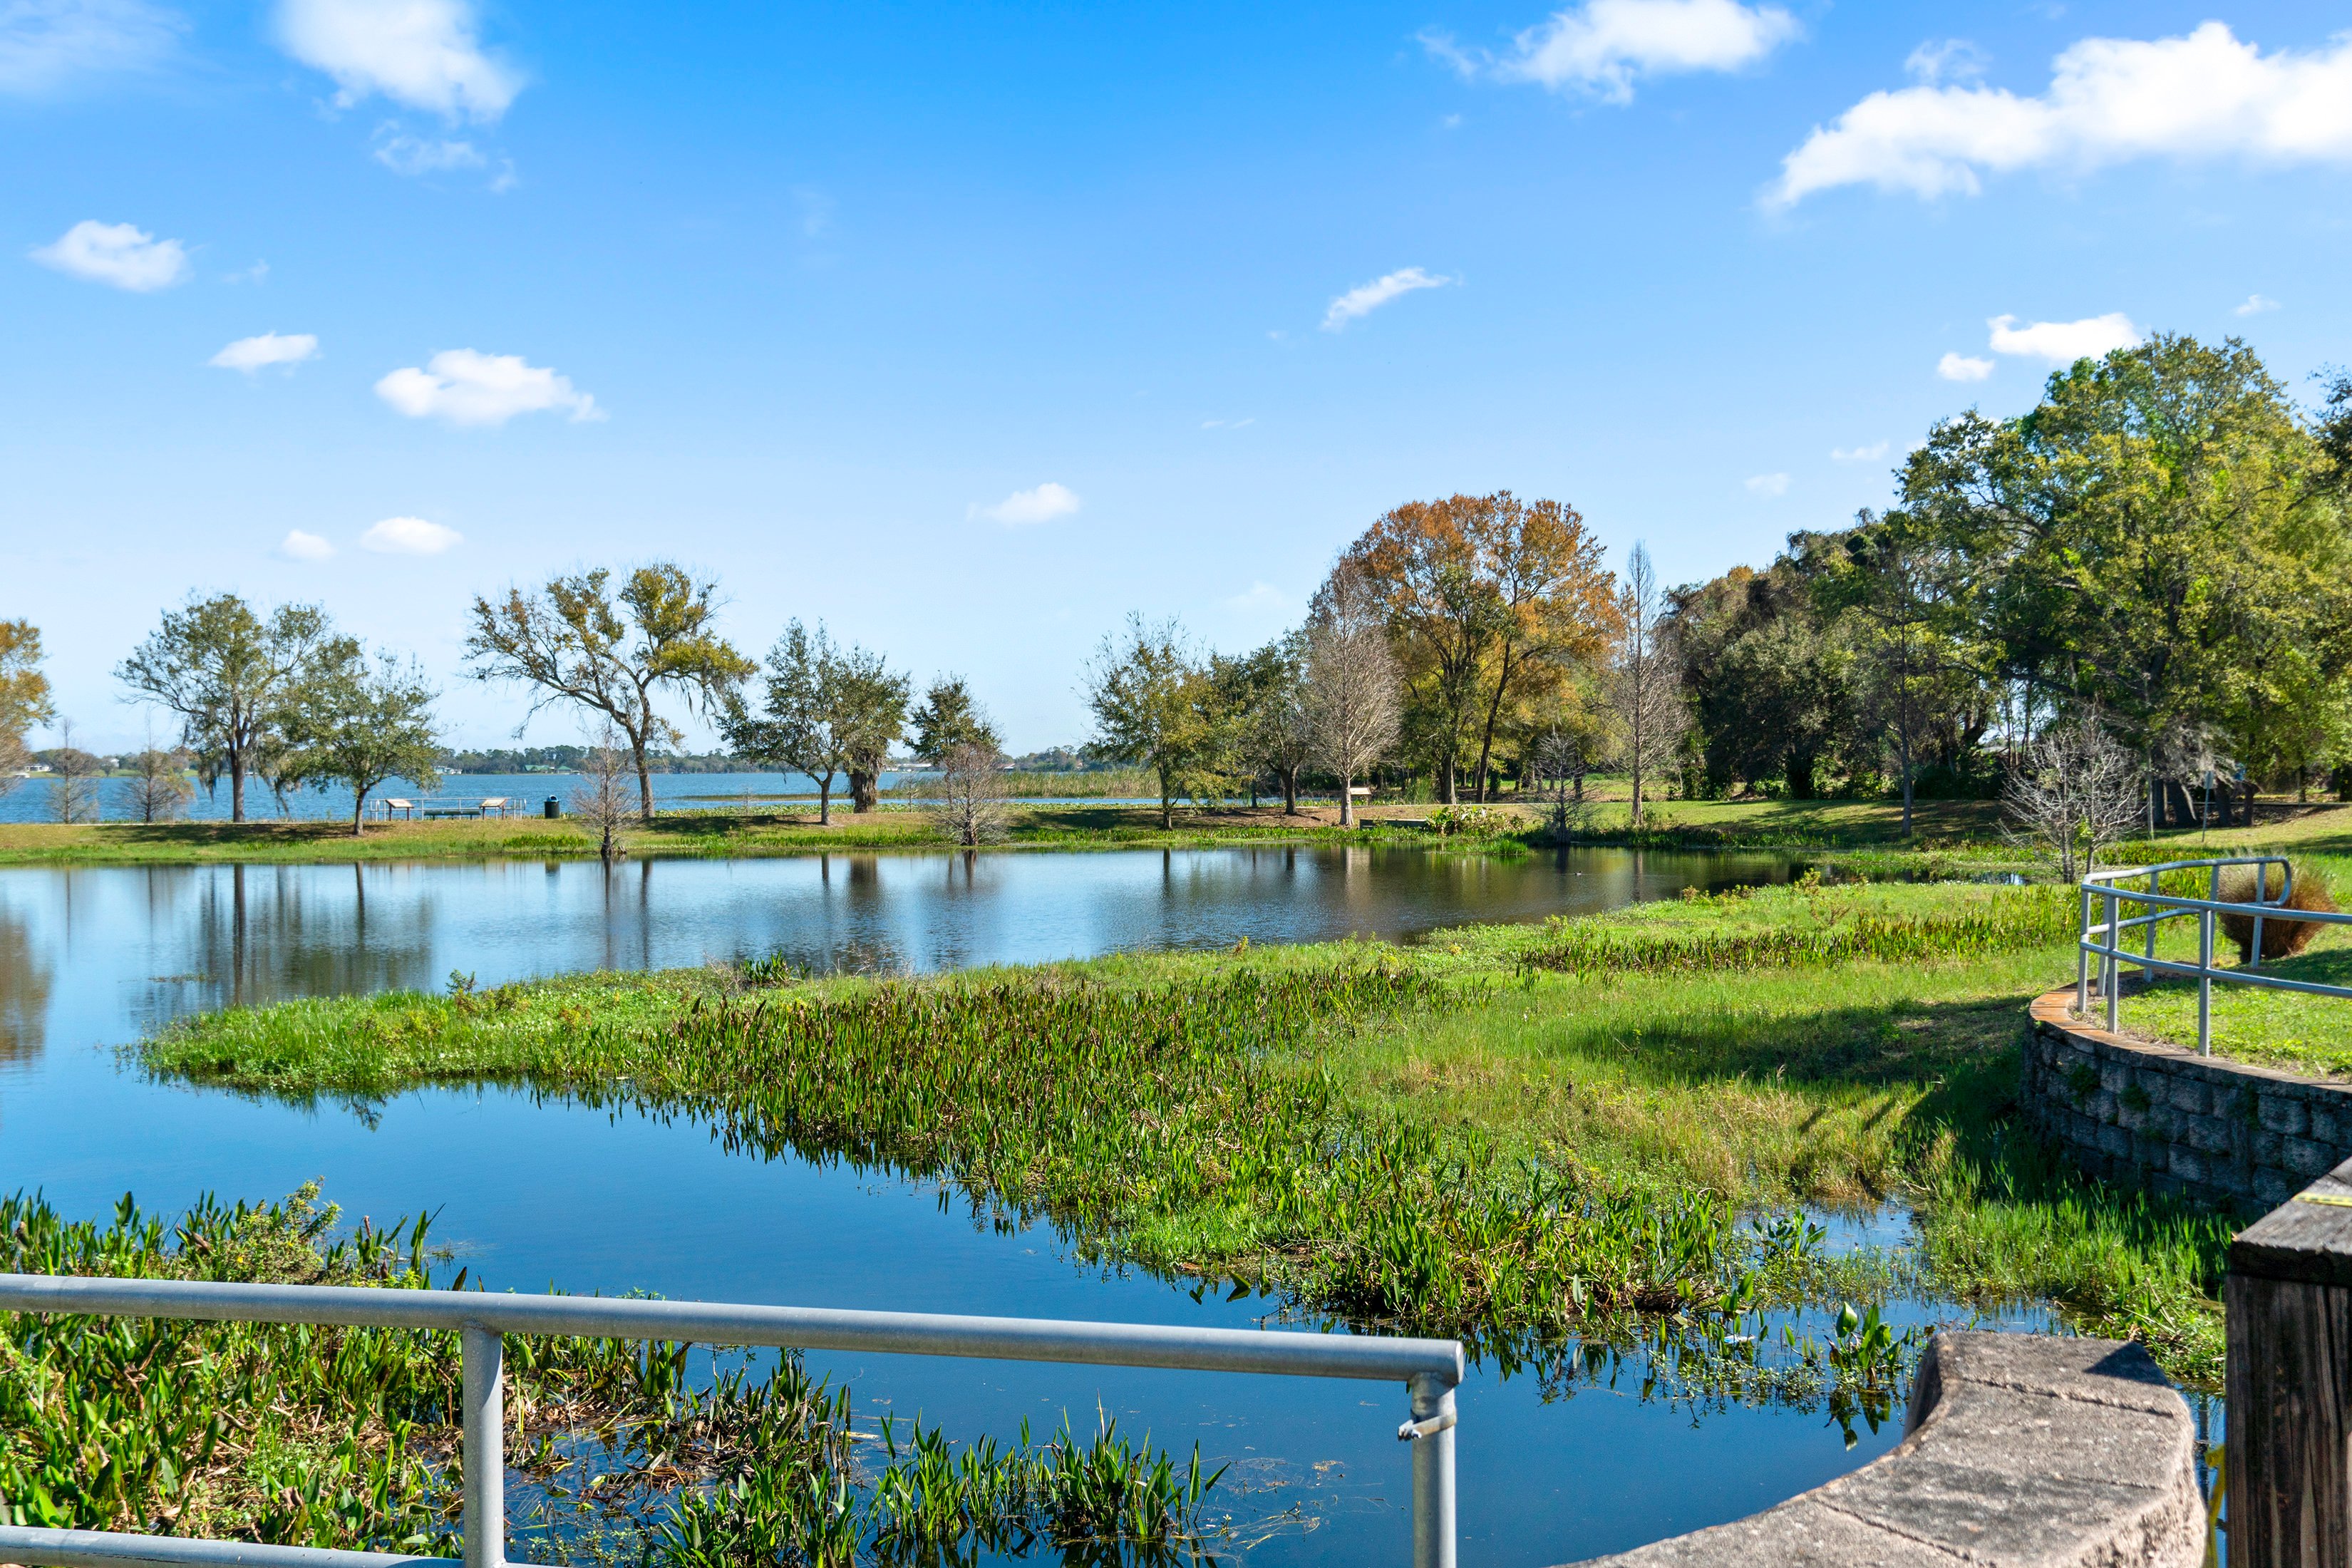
(1353, 688)
(25, 701)
(357, 722)
(227, 671)
(1155, 707)
(949, 716)
(614, 654)
(1645, 679)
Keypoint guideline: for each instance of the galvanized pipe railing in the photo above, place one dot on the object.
(2104, 939)
(1431, 1370)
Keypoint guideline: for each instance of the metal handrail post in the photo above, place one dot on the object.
(2261, 897)
(2205, 982)
(2156, 915)
(485, 1446)
(2082, 959)
(1432, 1471)
(2113, 969)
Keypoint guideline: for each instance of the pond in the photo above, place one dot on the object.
(541, 1193)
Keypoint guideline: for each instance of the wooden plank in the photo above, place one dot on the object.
(2290, 1402)
(2288, 1305)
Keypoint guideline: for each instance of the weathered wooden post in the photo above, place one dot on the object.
(2288, 1299)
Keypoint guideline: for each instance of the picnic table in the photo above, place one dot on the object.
(446, 806)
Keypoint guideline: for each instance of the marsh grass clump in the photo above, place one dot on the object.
(2307, 889)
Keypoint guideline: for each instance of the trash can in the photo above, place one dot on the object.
(554, 808)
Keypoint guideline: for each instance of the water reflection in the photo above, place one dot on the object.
(148, 943)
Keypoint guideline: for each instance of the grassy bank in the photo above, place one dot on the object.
(1579, 1131)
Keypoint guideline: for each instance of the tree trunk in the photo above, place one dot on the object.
(1494, 709)
(824, 800)
(1906, 787)
(644, 780)
(861, 791)
(1445, 782)
(236, 787)
(1290, 791)
(1167, 803)
(359, 814)
(1347, 799)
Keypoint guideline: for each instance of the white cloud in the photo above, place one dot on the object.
(1228, 423)
(2206, 95)
(300, 546)
(1602, 46)
(45, 44)
(1963, 367)
(250, 354)
(117, 253)
(406, 154)
(2255, 305)
(422, 53)
(1364, 299)
(1768, 485)
(1869, 453)
(1259, 597)
(1952, 59)
(2063, 342)
(1043, 504)
(409, 536)
(466, 387)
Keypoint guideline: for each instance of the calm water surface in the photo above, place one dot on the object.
(536, 1194)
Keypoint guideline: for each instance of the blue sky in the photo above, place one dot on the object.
(969, 328)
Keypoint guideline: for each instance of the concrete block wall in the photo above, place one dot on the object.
(2164, 1118)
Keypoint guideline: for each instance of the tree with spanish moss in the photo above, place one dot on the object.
(613, 652)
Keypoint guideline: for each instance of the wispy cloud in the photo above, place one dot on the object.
(405, 154)
(426, 54)
(466, 387)
(300, 546)
(117, 254)
(1869, 453)
(1366, 298)
(2063, 342)
(1228, 423)
(1603, 47)
(1043, 504)
(1768, 484)
(250, 355)
(2255, 305)
(410, 536)
(1259, 598)
(46, 45)
(1963, 367)
(2202, 95)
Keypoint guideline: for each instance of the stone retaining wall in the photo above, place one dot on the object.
(2019, 1449)
(2164, 1118)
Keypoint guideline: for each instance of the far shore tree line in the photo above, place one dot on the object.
(2145, 580)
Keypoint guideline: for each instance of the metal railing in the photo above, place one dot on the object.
(1430, 1369)
(2103, 939)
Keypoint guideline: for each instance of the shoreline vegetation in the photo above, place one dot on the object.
(1958, 830)
(1588, 1137)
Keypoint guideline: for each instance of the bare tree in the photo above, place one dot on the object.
(160, 786)
(1354, 691)
(2075, 790)
(73, 780)
(966, 801)
(1645, 679)
(601, 798)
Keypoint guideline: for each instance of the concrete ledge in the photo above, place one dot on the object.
(2162, 1116)
(2021, 1449)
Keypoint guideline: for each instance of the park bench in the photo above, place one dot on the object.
(448, 805)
